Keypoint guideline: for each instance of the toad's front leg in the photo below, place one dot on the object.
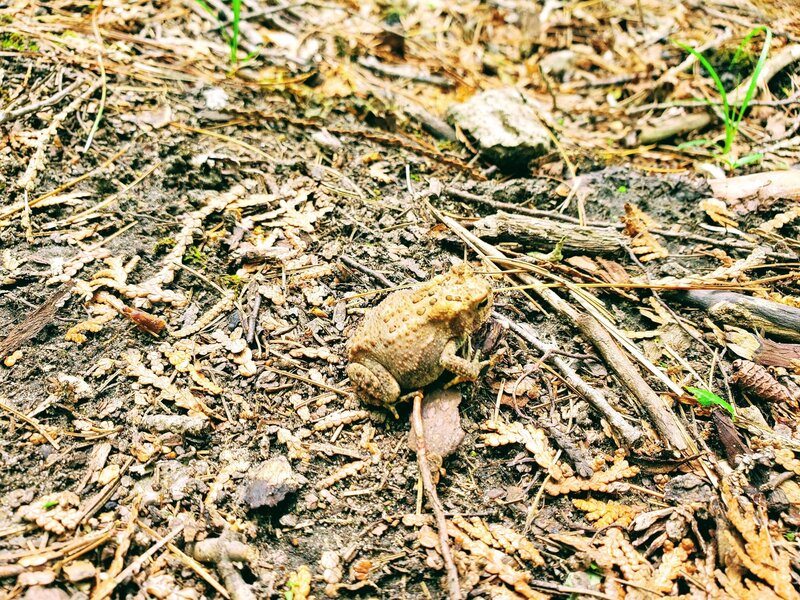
(465, 370)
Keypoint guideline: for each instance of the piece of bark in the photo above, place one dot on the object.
(671, 127)
(770, 185)
(35, 321)
(733, 444)
(543, 234)
(733, 308)
(763, 351)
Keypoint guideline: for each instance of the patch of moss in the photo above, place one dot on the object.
(195, 256)
(164, 245)
(232, 282)
(11, 40)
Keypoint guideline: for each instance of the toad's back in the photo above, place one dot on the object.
(408, 331)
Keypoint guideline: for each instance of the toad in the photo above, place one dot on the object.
(413, 336)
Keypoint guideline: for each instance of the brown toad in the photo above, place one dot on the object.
(411, 338)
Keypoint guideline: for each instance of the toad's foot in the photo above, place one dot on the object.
(374, 384)
(464, 369)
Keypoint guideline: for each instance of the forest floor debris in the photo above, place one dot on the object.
(191, 230)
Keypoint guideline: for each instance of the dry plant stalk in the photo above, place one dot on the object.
(73, 266)
(603, 514)
(616, 552)
(182, 358)
(780, 220)
(239, 351)
(429, 487)
(212, 314)
(493, 562)
(601, 481)
(348, 470)
(102, 314)
(749, 549)
(342, 417)
(643, 243)
(534, 440)
(28, 179)
(295, 449)
(107, 585)
(183, 397)
(500, 537)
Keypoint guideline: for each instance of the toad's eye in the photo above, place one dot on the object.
(484, 303)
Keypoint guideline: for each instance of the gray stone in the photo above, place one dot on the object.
(271, 482)
(505, 128)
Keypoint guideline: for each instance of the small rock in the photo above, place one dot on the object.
(79, 570)
(288, 520)
(504, 126)
(108, 474)
(556, 64)
(441, 421)
(427, 537)
(272, 482)
(326, 139)
(688, 488)
(183, 424)
(42, 593)
(216, 98)
(329, 563)
(36, 578)
(157, 118)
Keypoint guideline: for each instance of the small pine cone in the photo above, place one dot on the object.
(756, 380)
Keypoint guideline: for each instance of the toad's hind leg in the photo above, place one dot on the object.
(373, 382)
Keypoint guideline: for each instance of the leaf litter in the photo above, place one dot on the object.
(242, 217)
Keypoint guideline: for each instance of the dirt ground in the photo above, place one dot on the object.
(187, 245)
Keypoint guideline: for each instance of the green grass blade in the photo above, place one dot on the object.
(748, 160)
(693, 143)
(202, 4)
(236, 6)
(738, 113)
(730, 130)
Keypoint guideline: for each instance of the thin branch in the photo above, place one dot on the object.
(453, 587)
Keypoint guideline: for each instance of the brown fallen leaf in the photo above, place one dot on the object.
(441, 421)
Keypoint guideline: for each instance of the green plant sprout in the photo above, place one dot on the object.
(733, 109)
(706, 398)
(233, 38)
(195, 256)
(236, 6)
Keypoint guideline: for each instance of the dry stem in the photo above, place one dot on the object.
(453, 587)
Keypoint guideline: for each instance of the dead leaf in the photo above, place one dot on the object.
(441, 422)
